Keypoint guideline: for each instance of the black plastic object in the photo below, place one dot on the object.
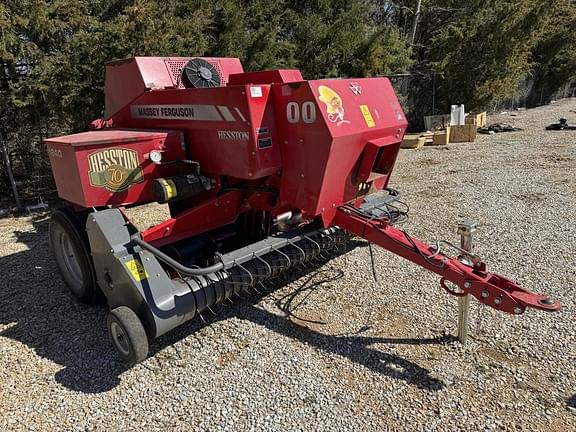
(198, 73)
(179, 187)
(498, 128)
(561, 125)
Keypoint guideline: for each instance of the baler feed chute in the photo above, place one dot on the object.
(263, 172)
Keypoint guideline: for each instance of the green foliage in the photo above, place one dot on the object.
(53, 52)
(481, 56)
(252, 31)
(329, 35)
(70, 79)
(555, 55)
(385, 52)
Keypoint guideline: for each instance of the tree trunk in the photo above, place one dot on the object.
(10, 174)
(415, 23)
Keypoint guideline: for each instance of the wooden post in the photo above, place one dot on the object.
(10, 175)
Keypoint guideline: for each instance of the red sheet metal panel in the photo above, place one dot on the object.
(266, 77)
(330, 141)
(111, 166)
(128, 79)
(326, 125)
(230, 130)
(212, 213)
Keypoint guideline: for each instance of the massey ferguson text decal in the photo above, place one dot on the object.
(175, 112)
(114, 169)
(183, 112)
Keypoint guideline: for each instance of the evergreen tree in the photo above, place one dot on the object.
(486, 50)
(252, 31)
(328, 34)
(384, 52)
(555, 55)
(71, 80)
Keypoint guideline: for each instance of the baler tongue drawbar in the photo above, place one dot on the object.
(468, 272)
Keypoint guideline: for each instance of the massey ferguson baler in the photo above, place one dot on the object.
(262, 172)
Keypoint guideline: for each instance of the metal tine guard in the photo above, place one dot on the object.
(493, 290)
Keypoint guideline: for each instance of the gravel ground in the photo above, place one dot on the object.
(356, 354)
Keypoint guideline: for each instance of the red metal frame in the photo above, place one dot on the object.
(320, 158)
(491, 289)
(211, 214)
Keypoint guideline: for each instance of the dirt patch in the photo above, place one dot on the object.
(530, 197)
(429, 162)
(309, 320)
(431, 192)
(500, 357)
(558, 158)
(229, 357)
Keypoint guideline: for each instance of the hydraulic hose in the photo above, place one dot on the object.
(189, 271)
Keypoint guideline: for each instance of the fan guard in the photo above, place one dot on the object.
(198, 73)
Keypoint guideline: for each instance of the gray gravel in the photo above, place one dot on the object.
(357, 355)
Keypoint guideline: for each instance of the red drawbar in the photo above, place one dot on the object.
(491, 289)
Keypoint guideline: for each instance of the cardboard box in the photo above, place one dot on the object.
(414, 141)
(478, 119)
(464, 133)
(442, 137)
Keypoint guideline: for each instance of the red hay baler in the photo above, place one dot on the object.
(262, 172)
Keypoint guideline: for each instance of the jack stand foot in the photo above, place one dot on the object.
(463, 309)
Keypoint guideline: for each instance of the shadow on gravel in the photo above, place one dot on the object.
(35, 304)
(571, 402)
(356, 348)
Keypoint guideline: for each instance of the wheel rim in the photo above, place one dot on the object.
(120, 338)
(70, 258)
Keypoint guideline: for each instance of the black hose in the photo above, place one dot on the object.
(189, 271)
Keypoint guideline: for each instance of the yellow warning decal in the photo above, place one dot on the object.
(170, 188)
(136, 269)
(367, 116)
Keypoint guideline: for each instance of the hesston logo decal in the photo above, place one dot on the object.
(114, 169)
(229, 135)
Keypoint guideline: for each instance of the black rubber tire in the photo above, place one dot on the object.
(67, 231)
(127, 335)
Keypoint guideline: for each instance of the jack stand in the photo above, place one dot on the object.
(466, 230)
